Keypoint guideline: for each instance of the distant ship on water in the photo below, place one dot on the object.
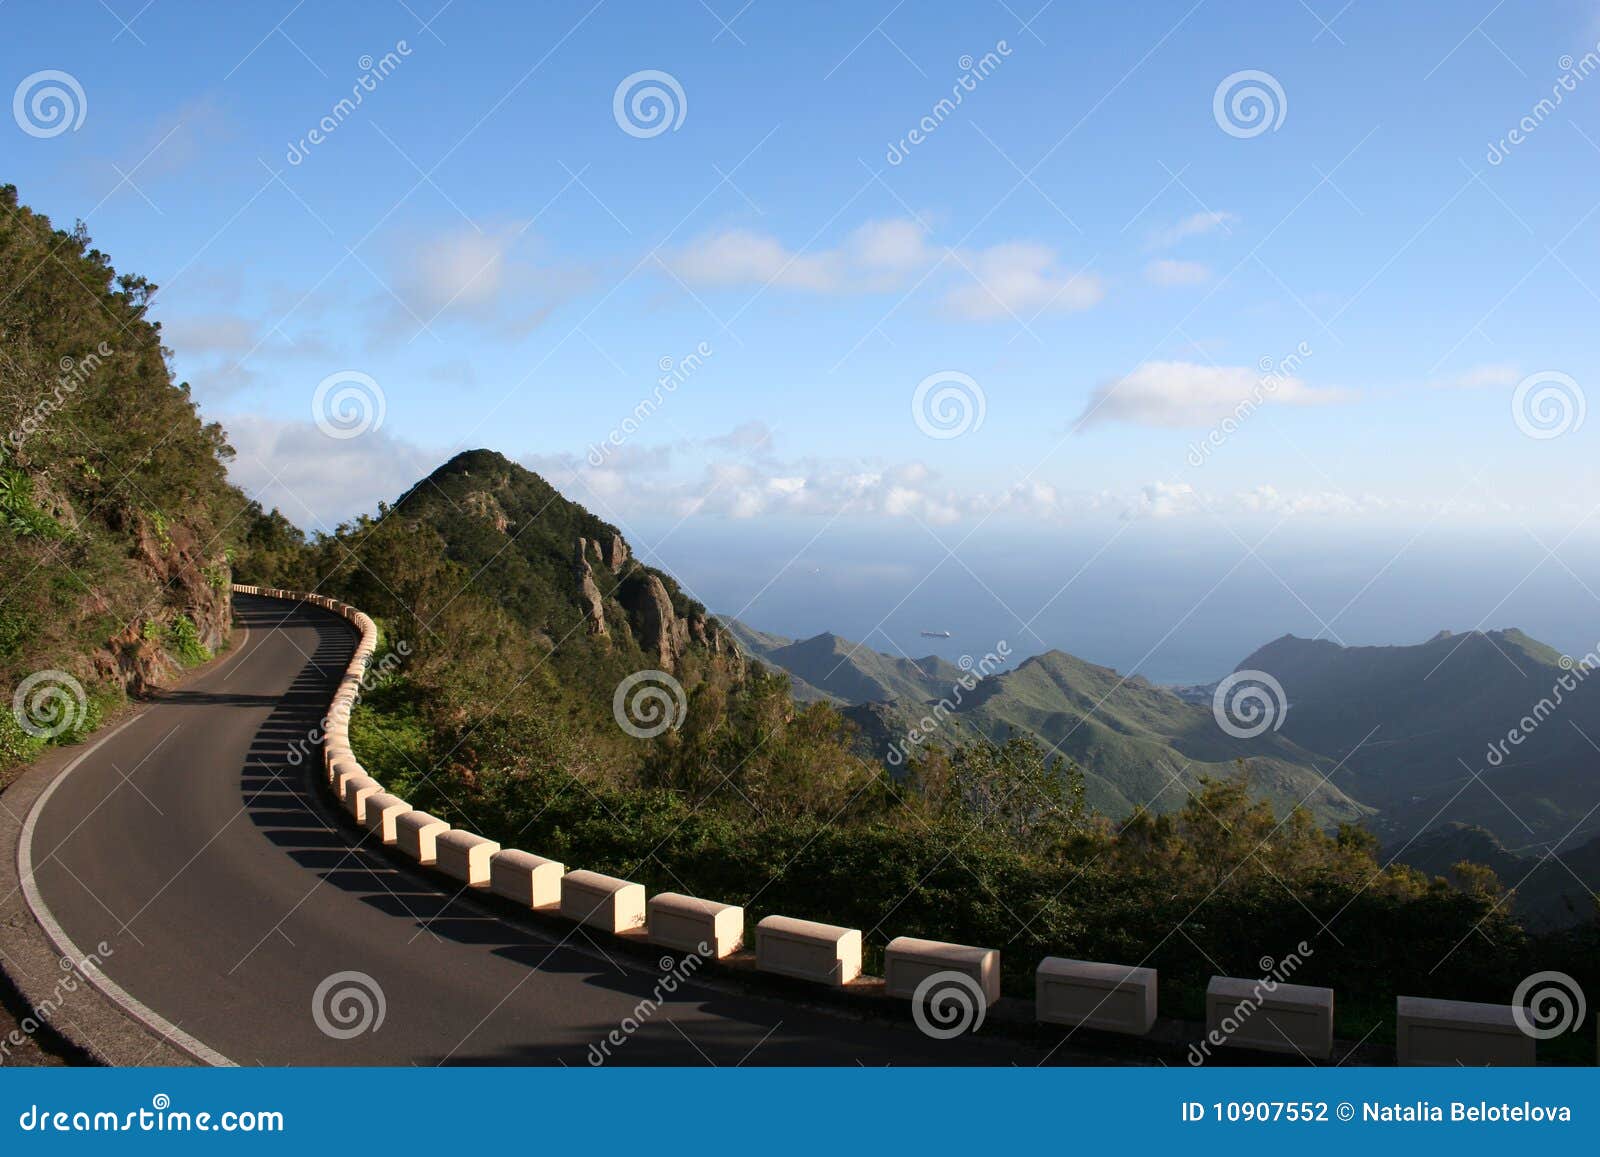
(935, 634)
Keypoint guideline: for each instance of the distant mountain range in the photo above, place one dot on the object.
(1414, 741)
(1138, 744)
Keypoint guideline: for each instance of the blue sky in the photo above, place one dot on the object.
(1081, 238)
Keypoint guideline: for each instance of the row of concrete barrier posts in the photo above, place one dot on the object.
(1262, 1015)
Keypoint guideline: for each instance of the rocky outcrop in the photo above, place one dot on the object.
(650, 608)
(618, 554)
(594, 613)
(189, 585)
(485, 506)
(665, 636)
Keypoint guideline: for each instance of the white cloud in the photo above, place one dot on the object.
(1166, 271)
(1020, 278)
(1163, 500)
(745, 257)
(487, 279)
(1483, 377)
(879, 255)
(1184, 394)
(1194, 225)
(318, 481)
(210, 333)
(1023, 279)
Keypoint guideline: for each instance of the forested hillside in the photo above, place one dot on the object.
(116, 516)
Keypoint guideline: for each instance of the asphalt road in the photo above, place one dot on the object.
(228, 892)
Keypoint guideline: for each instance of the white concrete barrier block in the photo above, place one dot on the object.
(690, 924)
(807, 950)
(1459, 1032)
(355, 790)
(1111, 997)
(602, 901)
(417, 834)
(1288, 1018)
(382, 810)
(344, 769)
(907, 962)
(464, 856)
(527, 879)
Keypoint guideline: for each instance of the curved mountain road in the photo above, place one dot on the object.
(228, 890)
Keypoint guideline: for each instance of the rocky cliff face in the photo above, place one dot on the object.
(562, 570)
(187, 585)
(594, 612)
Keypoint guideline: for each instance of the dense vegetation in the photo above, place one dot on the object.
(115, 511)
(501, 720)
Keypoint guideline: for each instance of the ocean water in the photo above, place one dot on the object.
(1162, 600)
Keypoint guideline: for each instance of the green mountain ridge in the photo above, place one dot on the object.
(1139, 745)
(1551, 890)
(1401, 737)
(1423, 732)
